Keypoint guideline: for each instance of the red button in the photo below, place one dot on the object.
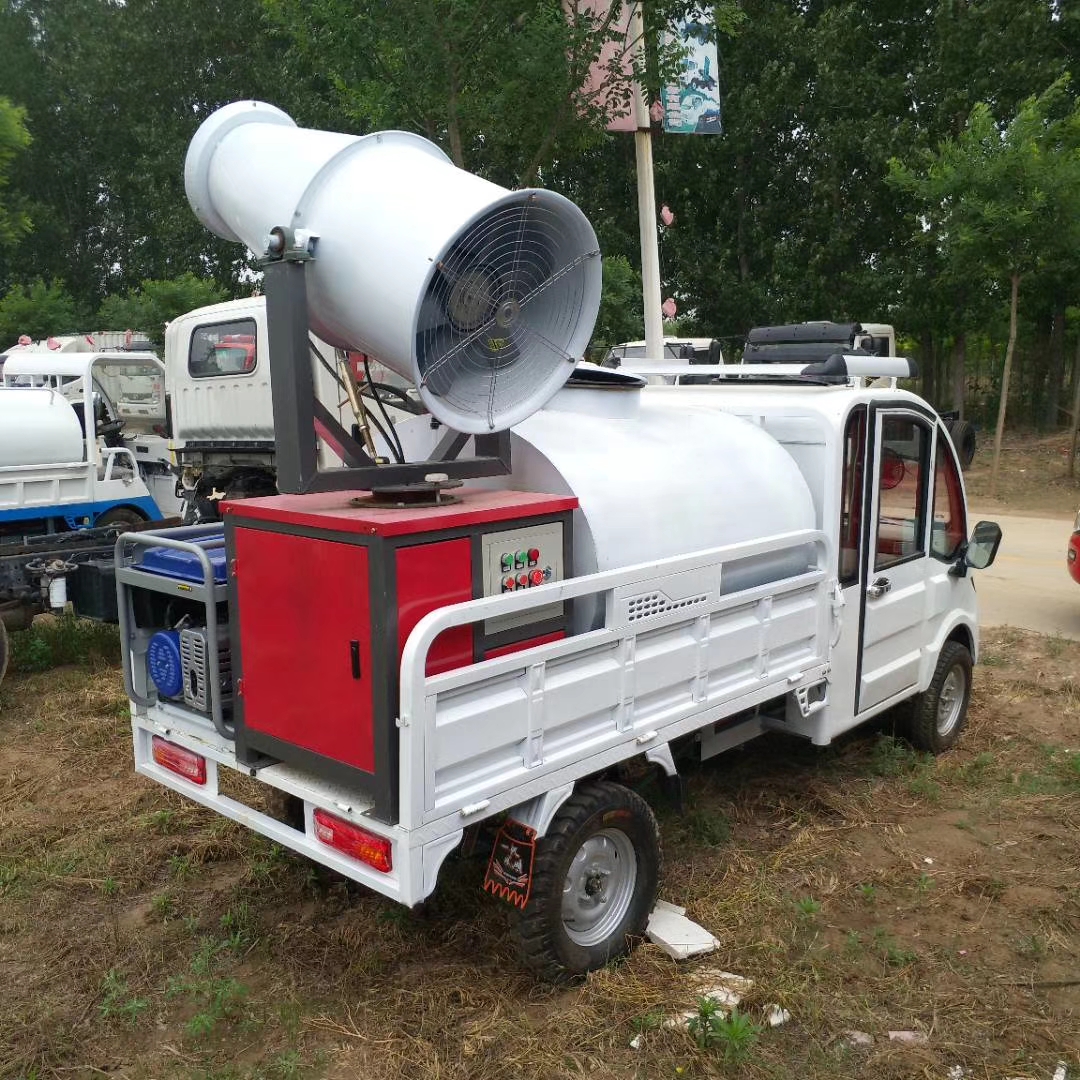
(537, 577)
(534, 556)
(508, 585)
(523, 580)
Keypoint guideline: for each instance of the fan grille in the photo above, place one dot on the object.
(504, 310)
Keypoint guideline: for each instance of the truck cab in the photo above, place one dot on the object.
(220, 407)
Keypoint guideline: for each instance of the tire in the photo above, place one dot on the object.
(963, 437)
(939, 714)
(5, 650)
(120, 515)
(602, 848)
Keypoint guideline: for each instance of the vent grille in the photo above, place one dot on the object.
(656, 603)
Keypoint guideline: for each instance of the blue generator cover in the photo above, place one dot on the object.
(169, 562)
(163, 663)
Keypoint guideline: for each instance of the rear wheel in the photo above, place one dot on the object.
(594, 883)
(938, 715)
(119, 515)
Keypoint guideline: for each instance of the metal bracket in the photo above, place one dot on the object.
(802, 698)
(296, 408)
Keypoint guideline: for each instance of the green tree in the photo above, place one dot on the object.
(1003, 200)
(38, 310)
(14, 138)
(620, 317)
(155, 303)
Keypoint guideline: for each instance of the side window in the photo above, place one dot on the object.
(851, 496)
(905, 454)
(227, 348)
(950, 521)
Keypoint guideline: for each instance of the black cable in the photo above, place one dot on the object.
(395, 445)
(382, 408)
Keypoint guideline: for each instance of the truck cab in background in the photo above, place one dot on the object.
(220, 408)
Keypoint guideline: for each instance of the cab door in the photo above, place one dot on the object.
(896, 573)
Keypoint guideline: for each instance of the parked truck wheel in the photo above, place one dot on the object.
(594, 883)
(120, 515)
(938, 715)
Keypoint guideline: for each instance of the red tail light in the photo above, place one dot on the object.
(353, 841)
(180, 760)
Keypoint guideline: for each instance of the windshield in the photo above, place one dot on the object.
(135, 390)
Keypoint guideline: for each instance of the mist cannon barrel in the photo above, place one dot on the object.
(483, 297)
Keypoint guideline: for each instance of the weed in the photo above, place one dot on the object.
(893, 757)
(1055, 645)
(868, 892)
(110, 886)
(890, 951)
(734, 1034)
(974, 771)
(1033, 946)
(216, 996)
(650, 1021)
(8, 876)
(239, 924)
(853, 942)
(710, 828)
(925, 788)
(180, 867)
(163, 904)
(160, 820)
(118, 1000)
(65, 640)
(925, 883)
(808, 907)
(288, 1066)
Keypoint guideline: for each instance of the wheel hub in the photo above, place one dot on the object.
(951, 701)
(599, 887)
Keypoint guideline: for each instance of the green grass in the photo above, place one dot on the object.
(63, 640)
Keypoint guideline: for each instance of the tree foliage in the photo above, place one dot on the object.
(39, 310)
(155, 303)
(792, 213)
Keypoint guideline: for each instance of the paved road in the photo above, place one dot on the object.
(1028, 585)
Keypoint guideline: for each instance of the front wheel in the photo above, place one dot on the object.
(120, 515)
(939, 713)
(594, 884)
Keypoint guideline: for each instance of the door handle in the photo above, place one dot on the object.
(880, 587)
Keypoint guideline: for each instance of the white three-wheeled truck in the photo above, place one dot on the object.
(399, 659)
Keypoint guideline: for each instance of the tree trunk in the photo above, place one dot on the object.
(1056, 374)
(928, 366)
(1000, 429)
(959, 372)
(1075, 430)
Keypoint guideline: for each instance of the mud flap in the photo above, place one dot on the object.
(510, 868)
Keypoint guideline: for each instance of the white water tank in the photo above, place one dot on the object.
(655, 477)
(38, 427)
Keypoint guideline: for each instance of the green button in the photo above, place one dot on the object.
(508, 562)
(520, 558)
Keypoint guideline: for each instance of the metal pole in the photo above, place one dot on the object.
(650, 247)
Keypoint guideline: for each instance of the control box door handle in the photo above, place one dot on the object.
(354, 653)
(880, 587)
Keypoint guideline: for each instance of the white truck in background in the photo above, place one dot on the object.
(220, 412)
(83, 456)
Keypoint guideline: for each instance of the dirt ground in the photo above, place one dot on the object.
(863, 888)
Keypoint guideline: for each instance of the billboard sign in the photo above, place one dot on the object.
(692, 101)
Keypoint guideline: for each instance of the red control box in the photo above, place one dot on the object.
(325, 591)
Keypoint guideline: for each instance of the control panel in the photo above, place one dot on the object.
(522, 559)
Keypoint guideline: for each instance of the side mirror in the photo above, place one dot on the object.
(982, 548)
